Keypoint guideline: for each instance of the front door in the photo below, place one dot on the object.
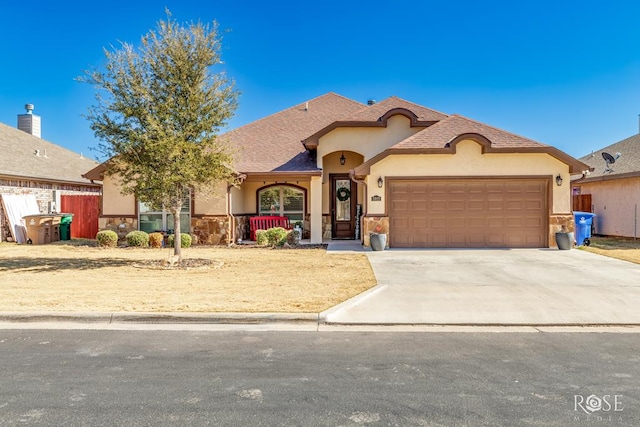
(343, 206)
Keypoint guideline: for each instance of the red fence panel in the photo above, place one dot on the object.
(85, 210)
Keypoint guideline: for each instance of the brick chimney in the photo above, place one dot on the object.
(29, 122)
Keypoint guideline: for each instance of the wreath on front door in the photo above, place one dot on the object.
(343, 194)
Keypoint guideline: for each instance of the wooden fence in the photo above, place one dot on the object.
(85, 210)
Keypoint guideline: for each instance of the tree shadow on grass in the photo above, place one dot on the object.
(46, 265)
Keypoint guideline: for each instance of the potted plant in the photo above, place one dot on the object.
(564, 239)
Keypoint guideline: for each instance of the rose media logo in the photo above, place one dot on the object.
(599, 408)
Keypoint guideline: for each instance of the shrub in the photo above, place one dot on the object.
(107, 238)
(276, 236)
(185, 240)
(261, 238)
(155, 240)
(293, 237)
(138, 238)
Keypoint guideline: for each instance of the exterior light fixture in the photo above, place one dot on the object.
(380, 182)
(558, 180)
(343, 159)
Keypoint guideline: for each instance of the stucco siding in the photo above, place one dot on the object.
(114, 203)
(616, 204)
(212, 201)
(467, 162)
(367, 141)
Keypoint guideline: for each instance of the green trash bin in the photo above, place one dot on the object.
(65, 226)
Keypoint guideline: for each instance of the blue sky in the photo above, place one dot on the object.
(565, 73)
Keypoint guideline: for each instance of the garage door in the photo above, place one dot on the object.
(462, 213)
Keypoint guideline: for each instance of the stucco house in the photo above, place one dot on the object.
(346, 169)
(612, 191)
(30, 165)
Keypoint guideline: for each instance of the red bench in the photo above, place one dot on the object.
(267, 222)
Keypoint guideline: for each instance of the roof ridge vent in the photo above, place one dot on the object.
(371, 102)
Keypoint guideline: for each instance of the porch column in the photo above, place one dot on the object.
(316, 209)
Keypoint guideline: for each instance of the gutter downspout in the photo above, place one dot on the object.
(352, 175)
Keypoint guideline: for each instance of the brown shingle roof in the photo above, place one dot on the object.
(439, 134)
(18, 158)
(374, 112)
(628, 163)
(273, 144)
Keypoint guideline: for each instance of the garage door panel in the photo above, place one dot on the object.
(418, 205)
(418, 223)
(436, 223)
(457, 206)
(476, 205)
(477, 222)
(468, 212)
(438, 205)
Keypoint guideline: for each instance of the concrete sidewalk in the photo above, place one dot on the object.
(495, 287)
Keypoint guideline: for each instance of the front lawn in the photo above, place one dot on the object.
(624, 248)
(74, 276)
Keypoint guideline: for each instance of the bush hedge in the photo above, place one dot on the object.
(276, 236)
(261, 238)
(185, 240)
(138, 238)
(155, 240)
(107, 238)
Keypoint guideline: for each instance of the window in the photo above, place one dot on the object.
(282, 200)
(151, 221)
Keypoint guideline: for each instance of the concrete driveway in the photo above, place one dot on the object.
(496, 287)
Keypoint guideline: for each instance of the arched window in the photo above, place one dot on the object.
(282, 200)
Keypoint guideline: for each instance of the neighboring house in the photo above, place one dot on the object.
(30, 165)
(346, 169)
(612, 191)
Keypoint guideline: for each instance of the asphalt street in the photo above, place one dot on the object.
(239, 378)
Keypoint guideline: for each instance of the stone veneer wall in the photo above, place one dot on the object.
(122, 226)
(43, 192)
(212, 230)
(556, 223)
(209, 230)
(375, 224)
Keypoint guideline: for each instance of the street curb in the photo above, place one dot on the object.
(323, 317)
(160, 317)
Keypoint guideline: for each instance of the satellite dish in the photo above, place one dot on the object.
(609, 160)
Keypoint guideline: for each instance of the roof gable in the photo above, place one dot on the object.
(273, 144)
(376, 115)
(442, 138)
(377, 111)
(445, 131)
(27, 156)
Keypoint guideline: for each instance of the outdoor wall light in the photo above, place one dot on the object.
(343, 159)
(558, 180)
(380, 182)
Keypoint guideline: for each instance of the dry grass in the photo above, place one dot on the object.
(616, 247)
(76, 277)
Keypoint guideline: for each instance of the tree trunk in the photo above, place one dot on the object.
(177, 238)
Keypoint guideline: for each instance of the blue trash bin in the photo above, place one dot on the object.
(583, 227)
